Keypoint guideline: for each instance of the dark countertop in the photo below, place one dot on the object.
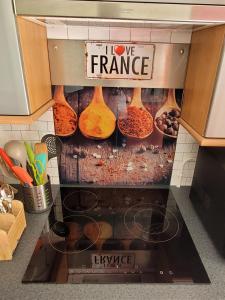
(12, 272)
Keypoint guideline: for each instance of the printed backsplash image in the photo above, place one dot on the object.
(116, 136)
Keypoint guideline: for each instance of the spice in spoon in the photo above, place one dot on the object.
(136, 121)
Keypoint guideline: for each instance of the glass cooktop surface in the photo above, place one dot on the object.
(109, 235)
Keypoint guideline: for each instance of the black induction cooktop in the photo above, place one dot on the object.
(109, 235)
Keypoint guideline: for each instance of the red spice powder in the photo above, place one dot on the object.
(136, 122)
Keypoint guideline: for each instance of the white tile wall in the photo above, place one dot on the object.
(57, 32)
(120, 34)
(140, 34)
(160, 36)
(104, 32)
(99, 33)
(185, 158)
(78, 32)
(179, 36)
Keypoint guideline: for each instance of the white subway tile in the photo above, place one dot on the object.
(187, 173)
(180, 147)
(181, 138)
(160, 36)
(53, 162)
(99, 33)
(119, 34)
(183, 181)
(190, 139)
(51, 127)
(30, 135)
(189, 181)
(54, 180)
(39, 125)
(182, 130)
(181, 36)
(78, 32)
(175, 180)
(5, 127)
(53, 171)
(57, 31)
(42, 133)
(20, 127)
(189, 156)
(140, 34)
(47, 116)
(190, 165)
(195, 148)
(6, 136)
(178, 165)
(178, 156)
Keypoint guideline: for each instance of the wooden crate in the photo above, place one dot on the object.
(11, 229)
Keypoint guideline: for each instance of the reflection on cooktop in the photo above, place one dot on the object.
(137, 233)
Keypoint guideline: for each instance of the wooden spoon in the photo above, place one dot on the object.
(168, 106)
(98, 233)
(97, 121)
(64, 116)
(125, 126)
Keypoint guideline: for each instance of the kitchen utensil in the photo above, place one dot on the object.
(136, 121)
(30, 152)
(169, 107)
(64, 116)
(32, 165)
(54, 145)
(41, 159)
(4, 170)
(38, 199)
(16, 150)
(91, 231)
(32, 172)
(19, 172)
(97, 121)
(7, 195)
(15, 191)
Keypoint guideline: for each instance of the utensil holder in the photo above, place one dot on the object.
(38, 199)
(11, 230)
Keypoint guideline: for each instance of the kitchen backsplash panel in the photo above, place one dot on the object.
(118, 158)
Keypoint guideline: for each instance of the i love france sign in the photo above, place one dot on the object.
(119, 60)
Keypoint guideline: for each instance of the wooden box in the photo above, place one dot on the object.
(11, 229)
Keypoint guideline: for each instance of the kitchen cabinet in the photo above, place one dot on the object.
(203, 107)
(25, 83)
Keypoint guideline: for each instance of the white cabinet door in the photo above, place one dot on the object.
(216, 120)
(13, 97)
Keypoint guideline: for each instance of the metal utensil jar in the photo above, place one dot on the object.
(37, 199)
